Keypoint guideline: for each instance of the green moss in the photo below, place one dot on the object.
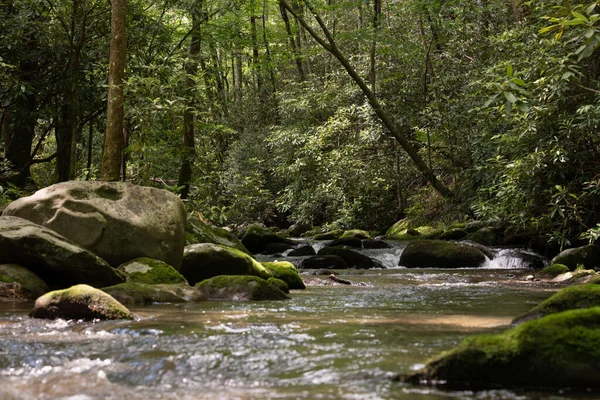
(240, 287)
(552, 271)
(6, 279)
(257, 237)
(201, 232)
(555, 351)
(485, 236)
(287, 272)
(280, 284)
(355, 234)
(79, 302)
(150, 271)
(330, 235)
(398, 227)
(453, 234)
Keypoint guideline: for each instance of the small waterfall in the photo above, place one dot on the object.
(515, 259)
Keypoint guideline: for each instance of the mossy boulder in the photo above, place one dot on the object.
(31, 286)
(287, 272)
(277, 248)
(352, 258)
(453, 234)
(57, 260)
(205, 260)
(586, 256)
(257, 238)
(440, 254)
(579, 296)
(350, 242)
(552, 271)
(299, 228)
(140, 294)
(485, 236)
(151, 272)
(199, 231)
(398, 228)
(330, 235)
(79, 302)
(280, 284)
(375, 244)
(302, 251)
(355, 234)
(329, 261)
(559, 350)
(240, 288)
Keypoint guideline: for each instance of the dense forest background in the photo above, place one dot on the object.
(338, 113)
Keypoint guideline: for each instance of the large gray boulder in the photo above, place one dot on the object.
(58, 261)
(585, 256)
(116, 220)
(440, 254)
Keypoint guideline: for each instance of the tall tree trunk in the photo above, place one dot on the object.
(399, 133)
(90, 146)
(292, 42)
(372, 56)
(191, 69)
(112, 157)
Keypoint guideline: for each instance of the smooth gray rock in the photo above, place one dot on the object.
(57, 260)
(117, 221)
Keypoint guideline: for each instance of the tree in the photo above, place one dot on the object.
(112, 158)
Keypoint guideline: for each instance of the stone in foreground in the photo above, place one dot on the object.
(79, 302)
(117, 221)
(240, 288)
(151, 272)
(287, 272)
(559, 350)
(440, 254)
(58, 261)
(579, 296)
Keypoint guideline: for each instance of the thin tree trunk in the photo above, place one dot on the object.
(189, 151)
(90, 147)
(372, 58)
(399, 133)
(292, 42)
(112, 156)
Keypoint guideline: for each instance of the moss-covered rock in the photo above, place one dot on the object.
(257, 237)
(31, 286)
(440, 254)
(330, 235)
(552, 271)
(299, 228)
(277, 248)
(453, 234)
(323, 262)
(280, 284)
(355, 234)
(240, 288)
(79, 302)
(350, 242)
(485, 236)
(579, 296)
(199, 231)
(375, 244)
(352, 258)
(559, 350)
(205, 260)
(139, 294)
(435, 234)
(398, 228)
(287, 272)
(151, 272)
(586, 256)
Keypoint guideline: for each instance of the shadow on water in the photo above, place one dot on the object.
(324, 343)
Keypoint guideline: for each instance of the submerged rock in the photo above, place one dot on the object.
(79, 302)
(579, 296)
(58, 261)
(205, 260)
(140, 293)
(117, 221)
(352, 258)
(287, 272)
(559, 350)
(150, 271)
(240, 288)
(30, 285)
(440, 254)
(257, 238)
(585, 256)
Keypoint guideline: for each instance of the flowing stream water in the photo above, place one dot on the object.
(345, 342)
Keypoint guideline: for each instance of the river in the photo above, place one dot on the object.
(345, 342)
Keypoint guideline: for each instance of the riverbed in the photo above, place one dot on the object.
(346, 342)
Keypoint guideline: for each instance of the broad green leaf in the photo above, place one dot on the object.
(509, 70)
(524, 107)
(547, 29)
(518, 81)
(510, 97)
(590, 8)
(579, 16)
